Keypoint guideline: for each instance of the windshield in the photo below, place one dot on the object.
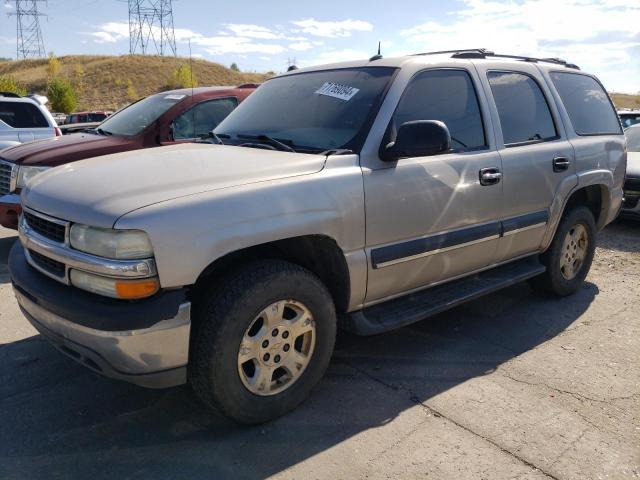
(629, 119)
(136, 117)
(315, 111)
(633, 139)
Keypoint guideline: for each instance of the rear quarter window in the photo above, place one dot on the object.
(587, 104)
(22, 115)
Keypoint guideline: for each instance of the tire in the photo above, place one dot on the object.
(229, 315)
(562, 280)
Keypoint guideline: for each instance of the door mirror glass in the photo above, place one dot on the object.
(418, 138)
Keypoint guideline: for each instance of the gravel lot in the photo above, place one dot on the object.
(514, 385)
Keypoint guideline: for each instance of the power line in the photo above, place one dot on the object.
(151, 27)
(29, 43)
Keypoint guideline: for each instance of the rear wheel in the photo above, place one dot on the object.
(263, 338)
(568, 258)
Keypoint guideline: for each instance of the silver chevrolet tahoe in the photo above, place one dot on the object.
(365, 195)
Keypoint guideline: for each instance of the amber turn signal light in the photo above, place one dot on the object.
(130, 290)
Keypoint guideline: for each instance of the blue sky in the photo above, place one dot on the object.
(603, 37)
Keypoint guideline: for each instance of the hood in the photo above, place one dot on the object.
(68, 148)
(100, 190)
(633, 164)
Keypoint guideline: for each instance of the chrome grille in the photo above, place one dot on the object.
(47, 228)
(52, 266)
(5, 177)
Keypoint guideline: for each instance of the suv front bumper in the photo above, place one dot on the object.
(631, 205)
(144, 342)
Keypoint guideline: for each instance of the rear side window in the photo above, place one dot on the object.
(448, 96)
(587, 104)
(524, 112)
(22, 115)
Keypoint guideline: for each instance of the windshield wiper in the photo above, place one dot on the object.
(266, 138)
(336, 151)
(106, 133)
(212, 137)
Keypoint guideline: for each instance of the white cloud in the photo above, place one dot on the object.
(342, 28)
(335, 56)
(301, 46)
(595, 34)
(221, 45)
(252, 31)
(111, 32)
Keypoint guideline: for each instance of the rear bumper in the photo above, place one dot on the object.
(154, 355)
(10, 211)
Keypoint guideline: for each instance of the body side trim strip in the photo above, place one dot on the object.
(443, 242)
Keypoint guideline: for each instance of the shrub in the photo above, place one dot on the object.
(132, 93)
(234, 67)
(183, 77)
(10, 84)
(62, 95)
(53, 67)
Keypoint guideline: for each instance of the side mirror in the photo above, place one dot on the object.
(418, 138)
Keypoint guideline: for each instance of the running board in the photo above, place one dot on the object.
(417, 306)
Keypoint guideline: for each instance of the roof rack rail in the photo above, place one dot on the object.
(9, 94)
(484, 53)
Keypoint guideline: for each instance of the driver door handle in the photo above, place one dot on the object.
(561, 164)
(490, 176)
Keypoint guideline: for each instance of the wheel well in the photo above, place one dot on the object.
(591, 197)
(318, 253)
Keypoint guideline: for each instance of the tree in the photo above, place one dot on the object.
(183, 77)
(10, 84)
(62, 95)
(234, 67)
(53, 67)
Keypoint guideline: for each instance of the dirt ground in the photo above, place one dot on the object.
(512, 386)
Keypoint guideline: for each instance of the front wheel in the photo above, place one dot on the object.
(568, 258)
(263, 338)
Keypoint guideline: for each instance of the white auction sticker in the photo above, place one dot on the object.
(174, 97)
(335, 90)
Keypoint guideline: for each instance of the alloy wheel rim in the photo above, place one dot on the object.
(276, 347)
(574, 251)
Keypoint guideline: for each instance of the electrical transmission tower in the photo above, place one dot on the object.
(28, 33)
(151, 26)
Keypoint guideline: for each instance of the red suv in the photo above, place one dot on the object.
(161, 119)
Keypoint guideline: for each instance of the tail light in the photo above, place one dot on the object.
(58, 131)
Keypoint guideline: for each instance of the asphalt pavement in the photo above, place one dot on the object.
(514, 385)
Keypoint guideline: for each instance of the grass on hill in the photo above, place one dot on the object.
(104, 82)
(625, 100)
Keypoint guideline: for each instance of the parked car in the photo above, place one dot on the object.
(24, 119)
(162, 119)
(631, 205)
(629, 117)
(370, 194)
(86, 117)
(78, 127)
(59, 118)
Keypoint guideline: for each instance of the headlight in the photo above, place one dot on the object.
(27, 173)
(107, 243)
(113, 287)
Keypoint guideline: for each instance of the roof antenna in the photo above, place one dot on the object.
(377, 56)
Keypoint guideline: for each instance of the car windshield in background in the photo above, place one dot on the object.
(629, 119)
(138, 116)
(633, 139)
(96, 117)
(310, 112)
